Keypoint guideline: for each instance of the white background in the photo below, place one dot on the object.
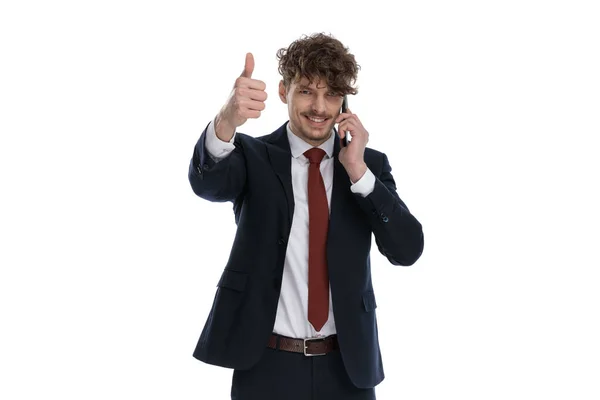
(488, 112)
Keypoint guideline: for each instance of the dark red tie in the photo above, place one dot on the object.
(318, 223)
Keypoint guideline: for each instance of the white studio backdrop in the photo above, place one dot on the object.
(488, 112)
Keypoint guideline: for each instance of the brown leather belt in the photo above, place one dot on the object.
(310, 347)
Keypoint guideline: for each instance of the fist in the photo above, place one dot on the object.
(247, 99)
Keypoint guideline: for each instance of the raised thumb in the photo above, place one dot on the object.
(249, 66)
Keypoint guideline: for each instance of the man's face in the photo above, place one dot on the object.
(306, 101)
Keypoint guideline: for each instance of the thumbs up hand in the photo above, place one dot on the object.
(246, 100)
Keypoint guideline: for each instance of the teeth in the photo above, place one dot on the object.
(316, 120)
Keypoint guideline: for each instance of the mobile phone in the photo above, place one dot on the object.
(345, 109)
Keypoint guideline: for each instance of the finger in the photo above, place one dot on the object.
(351, 126)
(344, 127)
(342, 117)
(250, 113)
(243, 82)
(249, 66)
(254, 94)
(252, 105)
(343, 132)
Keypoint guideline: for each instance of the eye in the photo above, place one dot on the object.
(304, 92)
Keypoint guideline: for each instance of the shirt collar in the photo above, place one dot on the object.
(299, 146)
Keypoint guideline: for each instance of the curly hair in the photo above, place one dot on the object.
(319, 56)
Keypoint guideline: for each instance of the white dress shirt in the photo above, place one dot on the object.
(292, 309)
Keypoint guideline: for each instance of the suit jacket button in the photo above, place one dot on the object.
(384, 217)
(205, 167)
(281, 241)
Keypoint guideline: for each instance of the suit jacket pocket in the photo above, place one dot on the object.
(369, 300)
(225, 311)
(233, 280)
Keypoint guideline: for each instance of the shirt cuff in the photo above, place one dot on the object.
(217, 149)
(365, 185)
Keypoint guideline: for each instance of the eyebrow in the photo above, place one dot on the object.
(301, 86)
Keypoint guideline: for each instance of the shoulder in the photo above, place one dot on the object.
(377, 161)
(375, 154)
(261, 147)
(246, 141)
(244, 137)
(275, 137)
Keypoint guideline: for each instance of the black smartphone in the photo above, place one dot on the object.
(345, 109)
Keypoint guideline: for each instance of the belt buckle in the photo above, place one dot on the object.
(306, 347)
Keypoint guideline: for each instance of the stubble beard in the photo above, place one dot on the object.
(317, 135)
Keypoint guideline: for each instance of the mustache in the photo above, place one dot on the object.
(317, 116)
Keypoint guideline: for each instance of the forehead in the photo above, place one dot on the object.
(317, 83)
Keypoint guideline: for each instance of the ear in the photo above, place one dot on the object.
(282, 92)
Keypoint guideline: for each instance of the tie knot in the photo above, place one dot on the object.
(315, 155)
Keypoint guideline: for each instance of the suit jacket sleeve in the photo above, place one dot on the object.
(398, 234)
(217, 181)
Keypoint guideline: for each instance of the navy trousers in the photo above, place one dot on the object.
(283, 375)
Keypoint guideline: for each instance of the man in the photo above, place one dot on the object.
(294, 312)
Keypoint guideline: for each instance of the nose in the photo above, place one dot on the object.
(319, 106)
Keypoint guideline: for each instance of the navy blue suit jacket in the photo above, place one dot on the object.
(256, 178)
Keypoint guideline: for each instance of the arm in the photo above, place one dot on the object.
(398, 234)
(217, 170)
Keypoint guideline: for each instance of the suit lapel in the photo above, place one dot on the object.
(280, 156)
(340, 193)
(278, 148)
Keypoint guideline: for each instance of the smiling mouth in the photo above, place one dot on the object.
(317, 121)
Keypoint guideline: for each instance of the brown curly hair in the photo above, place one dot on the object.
(319, 56)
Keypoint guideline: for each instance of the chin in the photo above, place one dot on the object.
(317, 134)
(312, 133)
(317, 138)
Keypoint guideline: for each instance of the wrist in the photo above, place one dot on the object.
(223, 129)
(356, 170)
